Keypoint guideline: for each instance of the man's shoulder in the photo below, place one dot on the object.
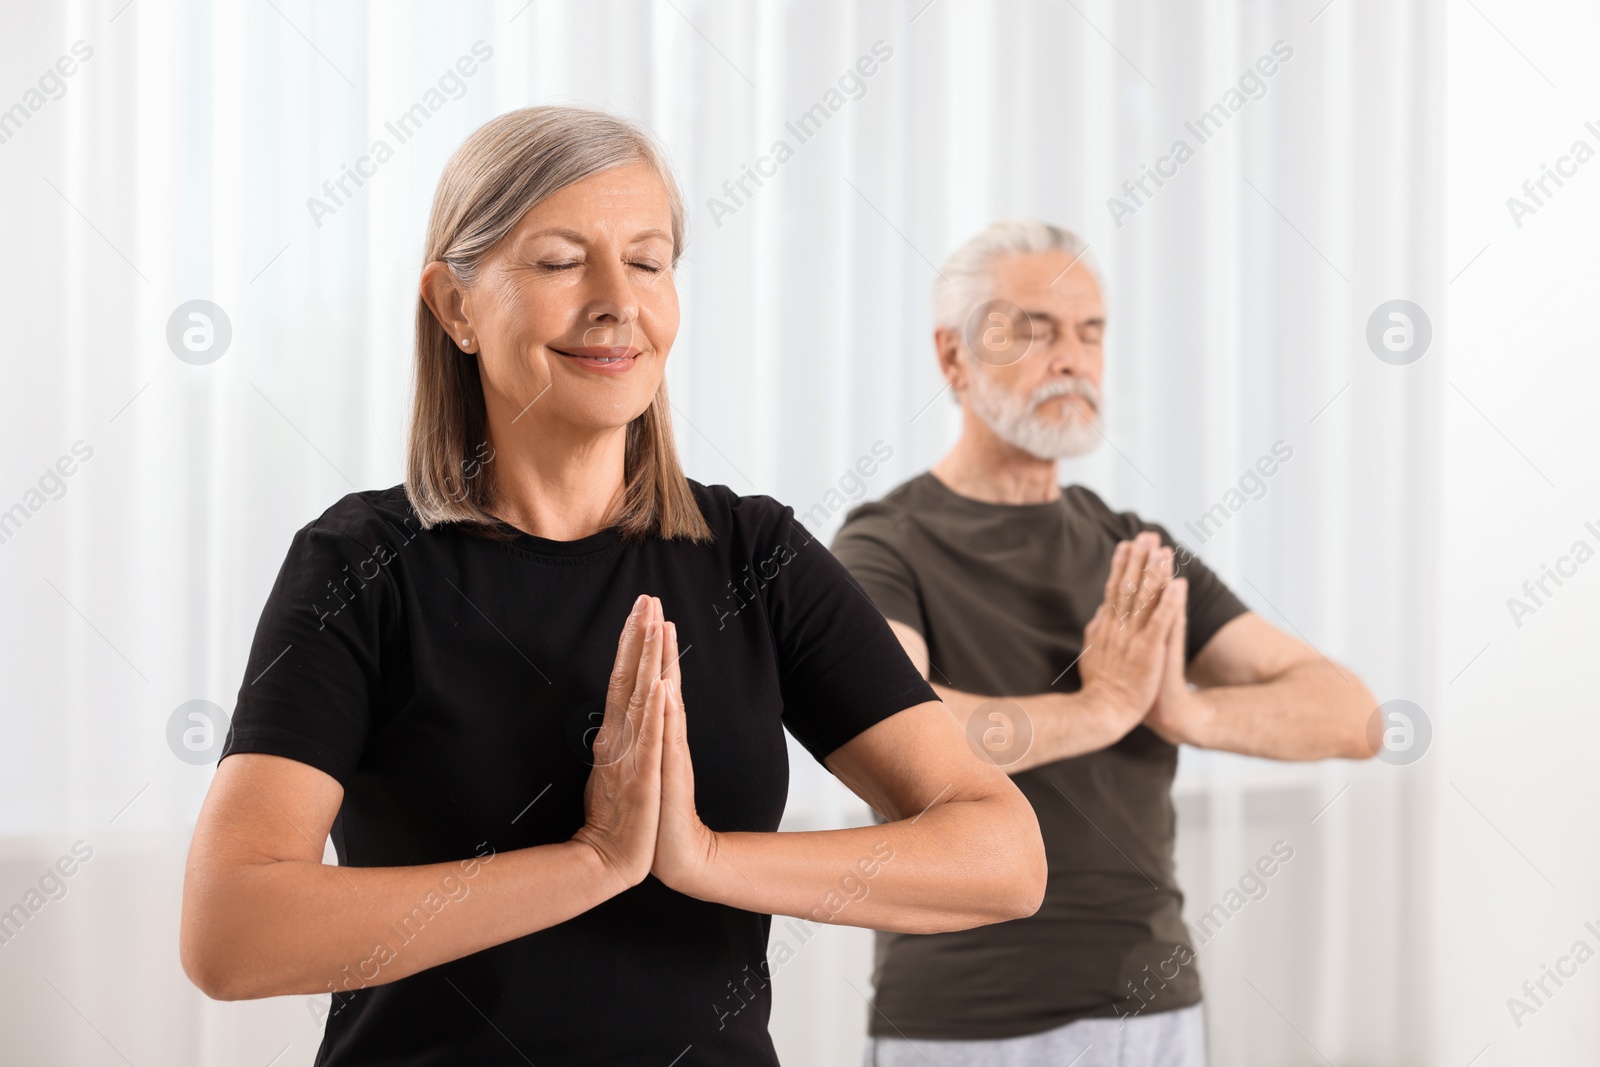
(1092, 504)
(887, 513)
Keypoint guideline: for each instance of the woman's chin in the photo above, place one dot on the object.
(596, 418)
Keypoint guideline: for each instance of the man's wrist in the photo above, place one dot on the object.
(1197, 723)
(1108, 714)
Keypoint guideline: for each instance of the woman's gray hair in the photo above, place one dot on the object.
(967, 278)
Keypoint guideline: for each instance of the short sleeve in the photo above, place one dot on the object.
(865, 545)
(1212, 605)
(313, 678)
(841, 669)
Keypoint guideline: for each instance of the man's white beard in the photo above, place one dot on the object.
(1017, 420)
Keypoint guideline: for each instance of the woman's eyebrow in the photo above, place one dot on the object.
(577, 238)
(571, 235)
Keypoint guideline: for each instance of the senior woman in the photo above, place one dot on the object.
(537, 694)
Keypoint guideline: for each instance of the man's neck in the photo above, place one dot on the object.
(983, 467)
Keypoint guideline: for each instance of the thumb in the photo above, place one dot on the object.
(675, 767)
(1177, 634)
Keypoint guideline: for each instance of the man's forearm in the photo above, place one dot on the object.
(1310, 711)
(1060, 724)
(1038, 728)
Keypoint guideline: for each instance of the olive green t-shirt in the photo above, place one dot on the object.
(1001, 593)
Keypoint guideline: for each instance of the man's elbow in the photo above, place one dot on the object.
(1364, 737)
(1360, 746)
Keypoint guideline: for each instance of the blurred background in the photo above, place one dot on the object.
(270, 163)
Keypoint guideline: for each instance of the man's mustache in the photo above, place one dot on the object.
(1066, 387)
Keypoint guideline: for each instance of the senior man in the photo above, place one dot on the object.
(1067, 638)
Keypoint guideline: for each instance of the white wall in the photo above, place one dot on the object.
(1517, 808)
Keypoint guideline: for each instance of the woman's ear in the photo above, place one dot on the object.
(447, 300)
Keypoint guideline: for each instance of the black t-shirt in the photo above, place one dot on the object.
(452, 684)
(1001, 593)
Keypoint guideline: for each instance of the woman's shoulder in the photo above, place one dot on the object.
(748, 515)
(369, 517)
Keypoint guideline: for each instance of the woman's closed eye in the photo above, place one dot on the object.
(650, 268)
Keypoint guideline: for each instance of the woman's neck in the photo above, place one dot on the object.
(562, 490)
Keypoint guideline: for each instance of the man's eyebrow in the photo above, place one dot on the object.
(1055, 323)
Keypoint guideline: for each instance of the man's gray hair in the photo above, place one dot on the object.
(967, 277)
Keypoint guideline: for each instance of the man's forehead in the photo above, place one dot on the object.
(1050, 282)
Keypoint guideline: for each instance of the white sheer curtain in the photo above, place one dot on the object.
(179, 161)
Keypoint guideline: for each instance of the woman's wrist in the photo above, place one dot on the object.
(599, 875)
(697, 871)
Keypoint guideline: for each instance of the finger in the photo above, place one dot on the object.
(647, 667)
(1169, 616)
(650, 661)
(1177, 637)
(1133, 575)
(1096, 625)
(652, 718)
(670, 656)
(1120, 592)
(650, 656)
(1177, 659)
(1152, 580)
(673, 725)
(628, 648)
(1122, 604)
(1114, 575)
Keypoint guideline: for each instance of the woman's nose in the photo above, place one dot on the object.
(608, 324)
(611, 295)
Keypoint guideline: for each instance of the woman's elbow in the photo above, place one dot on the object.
(1032, 875)
(211, 971)
(1020, 862)
(213, 961)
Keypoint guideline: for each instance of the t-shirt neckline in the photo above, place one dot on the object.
(545, 546)
(985, 507)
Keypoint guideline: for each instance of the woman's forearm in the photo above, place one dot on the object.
(952, 867)
(297, 926)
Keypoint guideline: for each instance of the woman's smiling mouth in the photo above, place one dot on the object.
(602, 358)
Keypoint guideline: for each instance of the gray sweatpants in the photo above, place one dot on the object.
(1162, 1039)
